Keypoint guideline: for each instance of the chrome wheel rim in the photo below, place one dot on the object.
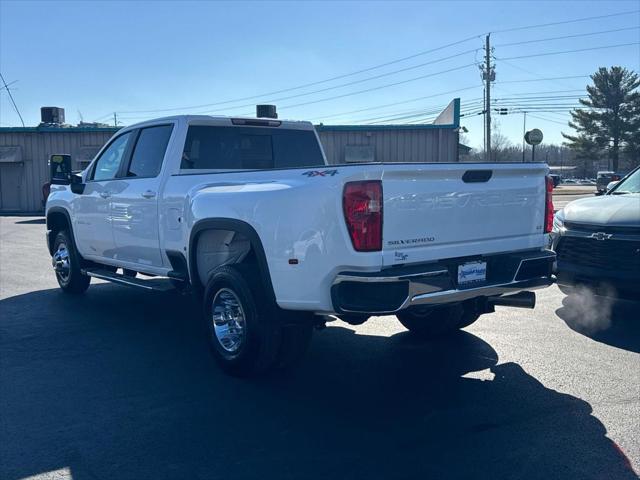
(61, 263)
(228, 320)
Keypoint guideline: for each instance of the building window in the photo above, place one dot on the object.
(359, 154)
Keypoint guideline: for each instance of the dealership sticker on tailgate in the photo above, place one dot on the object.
(472, 272)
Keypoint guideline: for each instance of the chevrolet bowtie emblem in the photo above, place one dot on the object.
(601, 236)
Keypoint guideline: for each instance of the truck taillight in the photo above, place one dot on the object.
(362, 206)
(548, 208)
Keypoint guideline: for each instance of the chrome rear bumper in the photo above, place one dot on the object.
(395, 289)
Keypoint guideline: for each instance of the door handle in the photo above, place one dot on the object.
(105, 194)
(149, 194)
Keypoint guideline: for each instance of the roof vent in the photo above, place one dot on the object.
(266, 111)
(52, 115)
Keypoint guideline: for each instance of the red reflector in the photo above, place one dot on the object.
(362, 206)
(548, 208)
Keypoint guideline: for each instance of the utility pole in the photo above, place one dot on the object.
(488, 76)
(115, 119)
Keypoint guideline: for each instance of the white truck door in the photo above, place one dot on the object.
(92, 209)
(134, 207)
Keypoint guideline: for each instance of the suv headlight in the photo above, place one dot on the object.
(558, 222)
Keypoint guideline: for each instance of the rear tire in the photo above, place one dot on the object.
(243, 333)
(66, 264)
(432, 322)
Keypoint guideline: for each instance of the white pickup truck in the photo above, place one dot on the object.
(245, 213)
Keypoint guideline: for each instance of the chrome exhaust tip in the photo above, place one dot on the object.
(518, 300)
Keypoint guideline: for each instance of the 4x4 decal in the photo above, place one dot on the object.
(320, 173)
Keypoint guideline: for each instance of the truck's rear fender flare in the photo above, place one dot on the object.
(58, 219)
(234, 225)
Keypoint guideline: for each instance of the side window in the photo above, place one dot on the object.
(109, 162)
(148, 153)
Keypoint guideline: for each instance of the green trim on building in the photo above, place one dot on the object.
(58, 129)
(371, 128)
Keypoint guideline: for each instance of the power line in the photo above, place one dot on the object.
(467, 105)
(379, 87)
(564, 22)
(550, 98)
(375, 107)
(402, 82)
(519, 94)
(413, 67)
(381, 65)
(375, 67)
(358, 92)
(548, 120)
(12, 100)
(415, 113)
(569, 51)
(566, 36)
(548, 79)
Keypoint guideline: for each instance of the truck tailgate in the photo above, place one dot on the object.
(438, 211)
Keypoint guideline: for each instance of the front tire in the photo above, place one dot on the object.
(66, 264)
(432, 322)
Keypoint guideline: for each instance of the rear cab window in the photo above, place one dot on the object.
(209, 147)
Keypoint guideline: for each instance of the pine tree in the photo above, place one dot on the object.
(609, 120)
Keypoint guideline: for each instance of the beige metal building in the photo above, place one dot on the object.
(25, 151)
(24, 156)
(434, 142)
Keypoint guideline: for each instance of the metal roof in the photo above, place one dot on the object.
(327, 128)
(58, 129)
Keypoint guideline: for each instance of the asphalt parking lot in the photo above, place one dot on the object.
(118, 383)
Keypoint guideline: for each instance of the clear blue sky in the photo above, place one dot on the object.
(97, 58)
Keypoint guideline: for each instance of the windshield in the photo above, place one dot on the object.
(630, 185)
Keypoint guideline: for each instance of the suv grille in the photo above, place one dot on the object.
(616, 255)
(582, 227)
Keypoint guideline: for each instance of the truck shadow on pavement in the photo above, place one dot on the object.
(613, 322)
(119, 384)
(33, 221)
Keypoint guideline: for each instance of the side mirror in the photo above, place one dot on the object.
(60, 169)
(77, 185)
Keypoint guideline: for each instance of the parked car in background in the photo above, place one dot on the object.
(597, 241)
(603, 179)
(612, 184)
